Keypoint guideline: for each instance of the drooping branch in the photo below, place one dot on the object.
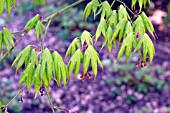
(49, 17)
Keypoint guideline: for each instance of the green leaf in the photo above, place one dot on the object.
(45, 79)
(133, 4)
(147, 46)
(95, 6)
(86, 37)
(126, 45)
(88, 10)
(47, 57)
(73, 46)
(8, 35)
(140, 4)
(22, 79)
(29, 72)
(38, 29)
(60, 69)
(92, 56)
(119, 29)
(128, 29)
(32, 23)
(122, 13)
(113, 19)
(24, 55)
(34, 58)
(147, 23)
(14, 2)
(6, 43)
(2, 3)
(74, 63)
(1, 39)
(139, 26)
(37, 80)
(102, 28)
(106, 10)
(8, 5)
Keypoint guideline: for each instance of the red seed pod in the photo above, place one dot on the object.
(138, 59)
(145, 64)
(147, 59)
(82, 77)
(137, 65)
(89, 75)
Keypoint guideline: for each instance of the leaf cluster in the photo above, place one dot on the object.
(38, 72)
(87, 58)
(118, 26)
(36, 24)
(8, 3)
(6, 39)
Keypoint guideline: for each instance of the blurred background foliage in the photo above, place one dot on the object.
(122, 81)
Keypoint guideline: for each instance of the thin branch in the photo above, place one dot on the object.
(125, 6)
(50, 18)
(49, 99)
(14, 97)
(113, 3)
(45, 35)
(64, 9)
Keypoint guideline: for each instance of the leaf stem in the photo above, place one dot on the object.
(125, 6)
(49, 99)
(14, 97)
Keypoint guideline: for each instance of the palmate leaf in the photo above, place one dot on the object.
(138, 26)
(46, 67)
(60, 68)
(86, 37)
(6, 38)
(95, 6)
(113, 19)
(88, 10)
(148, 48)
(122, 13)
(34, 58)
(91, 6)
(73, 46)
(105, 10)
(126, 46)
(27, 76)
(37, 80)
(147, 23)
(32, 23)
(91, 57)
(22, 57)
(119, 30)
(7, 35)
(102, 28)
(109, 33)
(38, 29)
(74, 63)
